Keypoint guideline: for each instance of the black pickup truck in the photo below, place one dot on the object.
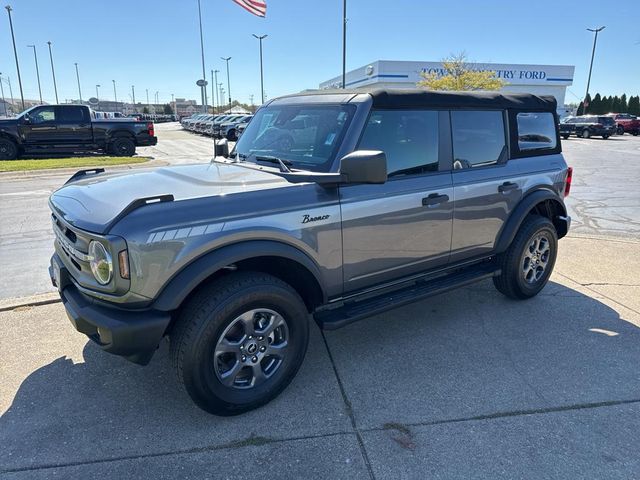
(68, 129)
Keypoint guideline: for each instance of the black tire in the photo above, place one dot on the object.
(123, 147)
(513, 281)
(202, 328)
(605, 137)
(566, 137)
(231, 136)
(620, 130)
(8, 149)
(586, 133)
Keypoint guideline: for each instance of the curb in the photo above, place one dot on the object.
(71, 170)
(31, 301)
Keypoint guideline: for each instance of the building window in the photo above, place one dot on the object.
(536, 130)
(478, 138)
(409, 139)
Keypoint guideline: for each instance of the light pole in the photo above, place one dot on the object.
(98, 96)
(78, 78)
(53, 72)
(220, 94)
(228, 80)
(215, 73)
(148, 105)
(173, 102)
(213, 97)
(203, 89)
(4, 104)
(260, 38)
(35, 56)
(593, 52)
(115, 95)
(15, 53)
(344, 43)
(10, 90)
(133, 98)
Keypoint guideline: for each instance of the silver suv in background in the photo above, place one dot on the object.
(333, 205)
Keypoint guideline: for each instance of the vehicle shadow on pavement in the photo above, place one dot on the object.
(463, 354)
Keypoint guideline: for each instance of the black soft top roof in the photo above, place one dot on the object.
(415, 97)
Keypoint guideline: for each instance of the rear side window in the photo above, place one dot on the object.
(71, 114)
(409, 139)
(606, 120)
(536, 131)
(478, 138)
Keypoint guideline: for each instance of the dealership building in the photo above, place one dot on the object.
(536, 79)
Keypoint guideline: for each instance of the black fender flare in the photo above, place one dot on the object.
(119, 133)
(186, 280)
(528, 202)
(10, 136)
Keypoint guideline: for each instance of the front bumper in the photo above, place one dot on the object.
(133, 334)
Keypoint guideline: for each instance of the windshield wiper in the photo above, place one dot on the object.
(283, 164)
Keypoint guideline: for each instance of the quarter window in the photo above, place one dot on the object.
(409, 139)
(71, 114)
(536, 130)
(478, 138)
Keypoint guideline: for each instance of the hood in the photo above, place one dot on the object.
(93, 204)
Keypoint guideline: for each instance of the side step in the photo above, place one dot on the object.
(354, 310)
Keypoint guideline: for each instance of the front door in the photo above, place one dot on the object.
(402, 227)
(39, 126)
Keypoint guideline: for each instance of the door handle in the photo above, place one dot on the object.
(507, 187)
(434, 199)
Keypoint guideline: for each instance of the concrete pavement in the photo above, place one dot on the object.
(467, 384)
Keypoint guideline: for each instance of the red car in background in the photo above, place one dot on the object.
(626, 123)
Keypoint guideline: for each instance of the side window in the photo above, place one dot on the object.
(478, 138)
(409, 138)
(71, 114)
(42, 115)
(536, 130)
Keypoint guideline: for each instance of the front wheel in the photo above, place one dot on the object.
(620, 130)
(605, 137)
(239, 342)
(8, 149)
(528, 262)
(586, 133)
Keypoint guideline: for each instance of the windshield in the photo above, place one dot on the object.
(306, 136)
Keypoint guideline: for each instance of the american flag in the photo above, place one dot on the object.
(257, 7)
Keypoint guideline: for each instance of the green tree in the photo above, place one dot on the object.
(595, 105)
(167, 109)
(615, 106)
(460, 75)
(624, 107)
(634, 105)
(606, 104)
(145, 110)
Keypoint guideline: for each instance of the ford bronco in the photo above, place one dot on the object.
(334, 205)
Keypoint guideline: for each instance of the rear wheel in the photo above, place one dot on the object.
(586, 133)
(605, 136)
(231, 136)
(123, 147)
(528, 262)
(8, 149)
(239, 342)
(566, 137)
(620, 130)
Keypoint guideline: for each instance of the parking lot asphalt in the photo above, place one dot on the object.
(466, 384)
(605, 200)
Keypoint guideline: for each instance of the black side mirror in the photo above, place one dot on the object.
(221, 149)
(364, 166)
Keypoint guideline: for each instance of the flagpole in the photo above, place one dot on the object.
(344, 43)
(203, 89)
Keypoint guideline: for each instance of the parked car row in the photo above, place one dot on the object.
(587, 126)
(154, 117)
(217, 126)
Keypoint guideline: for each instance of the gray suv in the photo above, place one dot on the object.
(334, 205)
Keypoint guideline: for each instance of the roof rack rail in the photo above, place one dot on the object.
(83, 173)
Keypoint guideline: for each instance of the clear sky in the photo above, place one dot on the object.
(154, 44)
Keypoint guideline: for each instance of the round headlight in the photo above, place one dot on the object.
(101, 264)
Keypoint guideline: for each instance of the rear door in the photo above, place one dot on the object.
(403, 226)
(74, 125)
(486, 186)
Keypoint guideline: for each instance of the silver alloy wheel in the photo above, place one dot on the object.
(536, 258)
(251, 349)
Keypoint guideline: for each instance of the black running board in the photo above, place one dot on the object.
(349, 312)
